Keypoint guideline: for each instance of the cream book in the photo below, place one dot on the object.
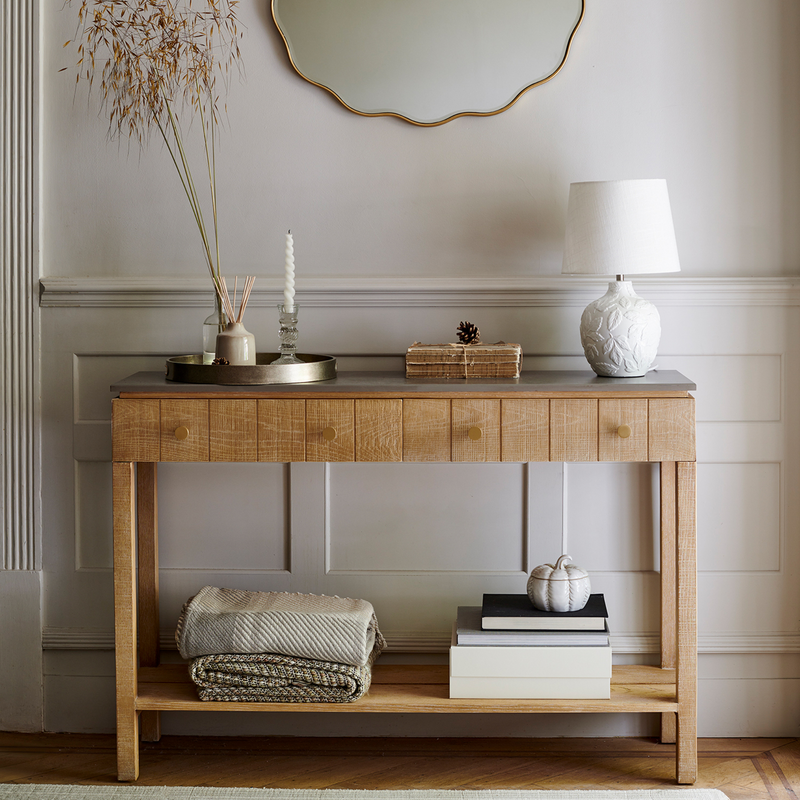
(531, 688)
(529, 662)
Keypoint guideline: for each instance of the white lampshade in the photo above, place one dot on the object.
(619, 228)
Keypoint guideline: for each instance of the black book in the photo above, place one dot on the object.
(516, 612)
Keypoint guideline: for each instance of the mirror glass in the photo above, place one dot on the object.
(427, 61)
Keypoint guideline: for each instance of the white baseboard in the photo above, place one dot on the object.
(20, 651)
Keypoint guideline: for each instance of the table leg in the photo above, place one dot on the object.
(149, 647)
(687, 621)
(124, 493)
(668, 588)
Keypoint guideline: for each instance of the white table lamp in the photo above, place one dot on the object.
(620, 228)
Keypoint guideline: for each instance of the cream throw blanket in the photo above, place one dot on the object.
(318, 627)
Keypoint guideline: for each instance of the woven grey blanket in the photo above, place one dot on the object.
(272, 678)
(329, 629)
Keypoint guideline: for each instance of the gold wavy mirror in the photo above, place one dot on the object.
(427, 61)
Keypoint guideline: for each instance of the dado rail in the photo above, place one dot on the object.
(383, 417)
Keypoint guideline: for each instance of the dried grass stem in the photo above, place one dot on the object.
(158, 60)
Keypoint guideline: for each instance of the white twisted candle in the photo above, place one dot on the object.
(288, 290)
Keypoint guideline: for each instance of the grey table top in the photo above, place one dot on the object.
(552, 381)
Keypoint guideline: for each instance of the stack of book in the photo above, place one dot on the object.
(509, 649)
(455, 360)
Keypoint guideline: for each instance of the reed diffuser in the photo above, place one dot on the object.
(235, 345)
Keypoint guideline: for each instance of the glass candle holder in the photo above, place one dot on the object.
(288, 334)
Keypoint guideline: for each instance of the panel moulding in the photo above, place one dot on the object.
(518, 569)
(432, 642)
(767, 552)
(417, 291)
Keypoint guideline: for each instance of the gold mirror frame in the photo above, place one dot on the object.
(423, 123)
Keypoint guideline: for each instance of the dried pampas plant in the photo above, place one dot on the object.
(158, 61)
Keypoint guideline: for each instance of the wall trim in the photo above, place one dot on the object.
(19, 335)
(417, 291)
(426, 642)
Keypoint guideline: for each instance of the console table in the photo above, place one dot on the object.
(373, 416)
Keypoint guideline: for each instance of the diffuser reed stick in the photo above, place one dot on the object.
(235, 345)
(248, 287)
(224, 296)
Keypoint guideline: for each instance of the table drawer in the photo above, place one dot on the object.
(622, 430)
(475, 430)
(184, 430)
(330, 430)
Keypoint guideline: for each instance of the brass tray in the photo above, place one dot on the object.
(191, 369)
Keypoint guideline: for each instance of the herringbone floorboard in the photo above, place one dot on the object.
(745, 769)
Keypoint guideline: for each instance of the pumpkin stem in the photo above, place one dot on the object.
(561, 561)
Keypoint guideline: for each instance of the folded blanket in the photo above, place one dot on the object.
(272, 678)
(330, 629)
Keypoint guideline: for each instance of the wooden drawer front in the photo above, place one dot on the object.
(329, 418)
(379, 430)
(184, 430)
(573, 430)
(426, 430)
(135, 430)
(525, 430)
(671, 429)
(233, 430)
(622, 430)
(475, 430)
(282, 430)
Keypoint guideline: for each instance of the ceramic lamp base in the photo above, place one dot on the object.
(620, 333)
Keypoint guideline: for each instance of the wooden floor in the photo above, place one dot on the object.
(745, 769)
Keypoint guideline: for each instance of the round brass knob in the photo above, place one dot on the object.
(624, 431)
(475, 433)
(181, 433)
(329, 434)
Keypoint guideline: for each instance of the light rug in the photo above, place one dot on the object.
(124, 792)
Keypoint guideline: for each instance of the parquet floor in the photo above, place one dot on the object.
(745, 769)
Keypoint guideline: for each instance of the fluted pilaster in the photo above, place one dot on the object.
(18, 261)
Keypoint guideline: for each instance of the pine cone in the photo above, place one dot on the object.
(468, 333)
(221, 361)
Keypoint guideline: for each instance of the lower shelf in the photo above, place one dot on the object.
(419, 689)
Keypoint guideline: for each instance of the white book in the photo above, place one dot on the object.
(529, 662)
(531, 688)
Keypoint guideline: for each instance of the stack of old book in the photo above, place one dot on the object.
(509, 649)
(457, 360)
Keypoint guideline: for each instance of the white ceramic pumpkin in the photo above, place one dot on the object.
(563, 587)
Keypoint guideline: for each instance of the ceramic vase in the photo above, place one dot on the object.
(236, 345)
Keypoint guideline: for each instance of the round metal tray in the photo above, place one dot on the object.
(191, 369)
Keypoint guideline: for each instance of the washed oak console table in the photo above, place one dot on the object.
(372, 416)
